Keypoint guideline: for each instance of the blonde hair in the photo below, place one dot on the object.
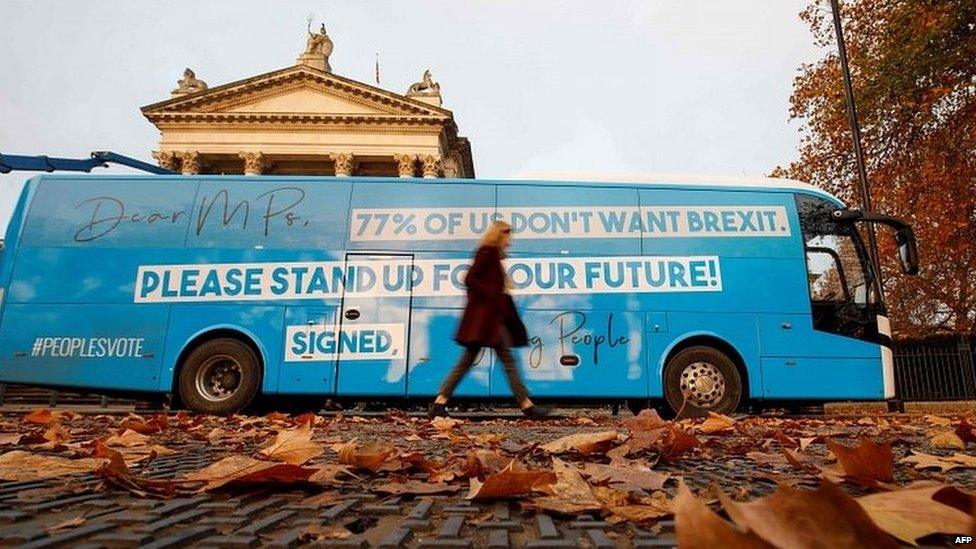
(495, 233)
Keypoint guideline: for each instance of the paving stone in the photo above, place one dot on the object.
(600, 539)
(188, 516)
(338, 509)
(452, 527)
(380, 509)
(498, 539)
(397, 538)
(266, 523)
(60, 540)
(124, 539)
(181, 539)
(232, 542)
(655, 542)
(547, 528)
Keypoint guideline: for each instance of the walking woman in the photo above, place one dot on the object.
(490, 320)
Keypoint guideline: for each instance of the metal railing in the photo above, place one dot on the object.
(935, 369)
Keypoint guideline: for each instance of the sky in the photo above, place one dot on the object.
(696, 87)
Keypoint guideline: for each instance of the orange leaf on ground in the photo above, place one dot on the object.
(41, 416)
(915, 511)
(483, 462)
(509, 483)
(56, 434)
(370, 456)
(946, 439)
(294, 446)
(239, 469)
(698, 527)
(570, 494)
(957, 460)
(127, 439)
(647, 420)
(676, 442)
(717, 423)
(414, 487)
(825, 517)
(625, 506)
(584, 443)
(20, 465)
(868, 462)
(632, 474)
(8, 439)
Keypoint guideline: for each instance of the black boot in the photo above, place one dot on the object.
(437, 410)
(537, 412)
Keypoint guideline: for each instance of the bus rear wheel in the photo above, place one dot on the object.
(221, 376)
(709, 379)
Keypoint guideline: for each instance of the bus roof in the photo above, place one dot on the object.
(562, 178)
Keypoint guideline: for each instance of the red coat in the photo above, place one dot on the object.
(489, 307)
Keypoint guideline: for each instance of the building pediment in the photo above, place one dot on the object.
(296, 90)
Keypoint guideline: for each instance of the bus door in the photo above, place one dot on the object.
(374, 324)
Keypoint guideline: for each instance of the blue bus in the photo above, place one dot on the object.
(217, 289)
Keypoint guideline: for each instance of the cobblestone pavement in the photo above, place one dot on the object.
(83, 511)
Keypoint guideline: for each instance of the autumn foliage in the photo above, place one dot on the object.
(913, 68)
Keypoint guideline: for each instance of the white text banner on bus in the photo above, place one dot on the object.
(428, 277)
(540, 222)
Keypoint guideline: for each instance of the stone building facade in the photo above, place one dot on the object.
(307, 120)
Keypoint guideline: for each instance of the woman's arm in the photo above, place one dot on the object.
(484, 276)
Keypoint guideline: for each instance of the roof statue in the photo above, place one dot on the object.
(318, 48)
(426, 86)
(189, 83)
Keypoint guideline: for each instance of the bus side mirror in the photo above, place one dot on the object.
(907, 251)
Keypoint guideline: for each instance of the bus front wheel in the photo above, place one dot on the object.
(221, 376)
(709, 379)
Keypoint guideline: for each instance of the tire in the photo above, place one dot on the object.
(720, 388)
(220, 376)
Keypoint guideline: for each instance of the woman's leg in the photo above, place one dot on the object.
(511, 371)
(451, 381)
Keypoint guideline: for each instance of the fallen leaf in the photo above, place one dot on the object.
(20, 465)
(625, 506)
(647, 420)
(483, 462)
(946, 439)
(825, 517)
(444, 423)
(584, 443)
(414, 487)
(294, 446)
(716, 423)
(676, 442)
(321, 500)
(868, 462)
(127, 439)
(570, 494)
(937, 420)
(41, 416)
(329, 474)
(153, 425)
(247, 470)
(509, 483)
(922, 460)
(316, 532)
(698, 527)
(8, 439)
(370, 456)
(631, 474)
(966, 432)
(56, 434)
(912, 512)
(70, 523)
(765, 458)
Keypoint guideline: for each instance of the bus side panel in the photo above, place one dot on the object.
(106, 346)
(736, 329)
(433, 353)
(263, 325)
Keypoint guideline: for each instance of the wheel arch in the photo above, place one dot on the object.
(707, 339)
(215, 332)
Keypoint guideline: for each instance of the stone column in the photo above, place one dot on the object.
(192, 162)
(405, 164)
(254, 163)
(345, 164)
(167, 159)
(432, 166)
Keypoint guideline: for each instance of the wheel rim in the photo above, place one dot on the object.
(219, 377)
(703, 383)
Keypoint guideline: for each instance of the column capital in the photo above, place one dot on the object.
(345, 164)
(167, 159)
(432, 166)
(255, 163)
(405, 164)
(192, 162)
